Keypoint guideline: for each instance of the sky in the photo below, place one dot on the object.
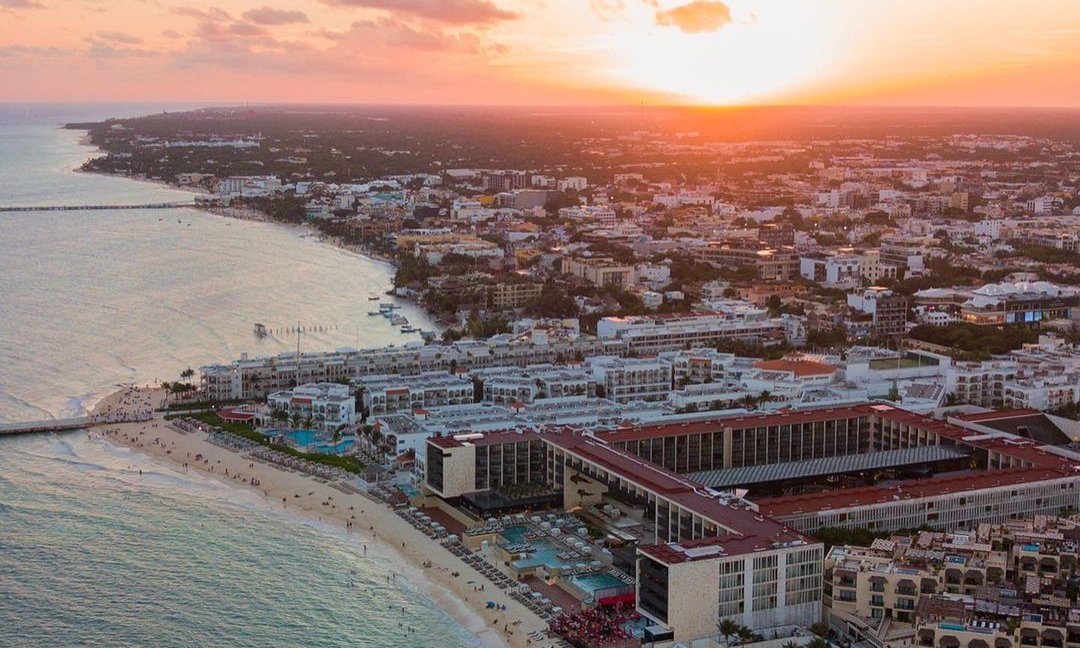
(535, 52)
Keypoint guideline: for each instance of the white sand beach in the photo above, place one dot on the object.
(374, 525)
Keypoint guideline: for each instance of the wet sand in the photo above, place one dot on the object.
(373, 524)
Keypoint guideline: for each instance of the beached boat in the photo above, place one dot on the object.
(399, 320)
(373, 313)
(373, 298)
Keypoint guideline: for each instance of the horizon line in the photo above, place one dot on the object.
(637, 106)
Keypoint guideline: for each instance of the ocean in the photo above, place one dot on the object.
(92, 299)
(93, 554)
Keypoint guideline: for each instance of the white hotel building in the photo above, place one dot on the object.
(328, 405)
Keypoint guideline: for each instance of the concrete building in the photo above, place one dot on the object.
(770, 264)
(328, 405)
(629, 379)
(1006, 303)
(599, 271)
(396, 393)
(515, 294)
(888, 309)
(645, 334)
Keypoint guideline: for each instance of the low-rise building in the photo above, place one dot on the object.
(630, 379)
(396, 393)
(327, 405)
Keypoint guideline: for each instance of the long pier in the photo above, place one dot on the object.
(45, 208)
(47, 425)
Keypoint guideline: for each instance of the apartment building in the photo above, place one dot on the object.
(837, 270)
(889, 310)
(255, 377)
(656, 333)
(388, 394)
(630, 379)
(770, 264)
(327, 405)
(599, 271)
(980, 383)
(995, 585)
(507, 385)
(507, 295)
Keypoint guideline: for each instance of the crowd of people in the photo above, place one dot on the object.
(600, 627)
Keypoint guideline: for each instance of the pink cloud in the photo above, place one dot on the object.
(461, 12)
(21, 4)
(696, 17)
(272, 16)
(119, 37)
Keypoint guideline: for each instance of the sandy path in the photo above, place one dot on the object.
(372, 523)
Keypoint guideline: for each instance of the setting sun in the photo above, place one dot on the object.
(758, 57)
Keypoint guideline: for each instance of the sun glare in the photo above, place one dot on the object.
(756, 58)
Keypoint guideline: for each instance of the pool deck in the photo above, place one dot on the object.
(558, 596)
(451, 524)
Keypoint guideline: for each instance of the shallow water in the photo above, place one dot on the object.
(92, 299)
(94, 554)
(91, 552)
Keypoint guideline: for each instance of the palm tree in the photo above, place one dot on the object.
(745, 634)
(728, 628)
(279, 415)
(294, 418)
(308, 422)
(187, 374)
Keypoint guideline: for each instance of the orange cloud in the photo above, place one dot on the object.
(696, 17)
(461, 12)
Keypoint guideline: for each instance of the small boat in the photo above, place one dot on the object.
(373, 313)
(409, 329)
(373, 298)
(399, 320)
(387, 306)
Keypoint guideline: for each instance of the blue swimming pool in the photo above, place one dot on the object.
(542, 552)
(409, 490)
(591, 583)
(308, 440)
(333, 448)
(299, 437)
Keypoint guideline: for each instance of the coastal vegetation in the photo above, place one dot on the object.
(971, 342)
(351, 464)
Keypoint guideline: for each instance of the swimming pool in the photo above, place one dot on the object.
(332, 448)
(299, 437)
(409, 490)
(589, 584)
(308, 440)
(542, 551)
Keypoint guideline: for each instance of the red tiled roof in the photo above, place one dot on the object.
(730, 545)
(997, 415)
(800, 368)
(740, 422)
(851, 497)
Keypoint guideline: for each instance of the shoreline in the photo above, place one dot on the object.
(238, 213)
(374, 526)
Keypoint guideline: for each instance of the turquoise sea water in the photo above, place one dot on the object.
(91, 553)
(94, 554)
